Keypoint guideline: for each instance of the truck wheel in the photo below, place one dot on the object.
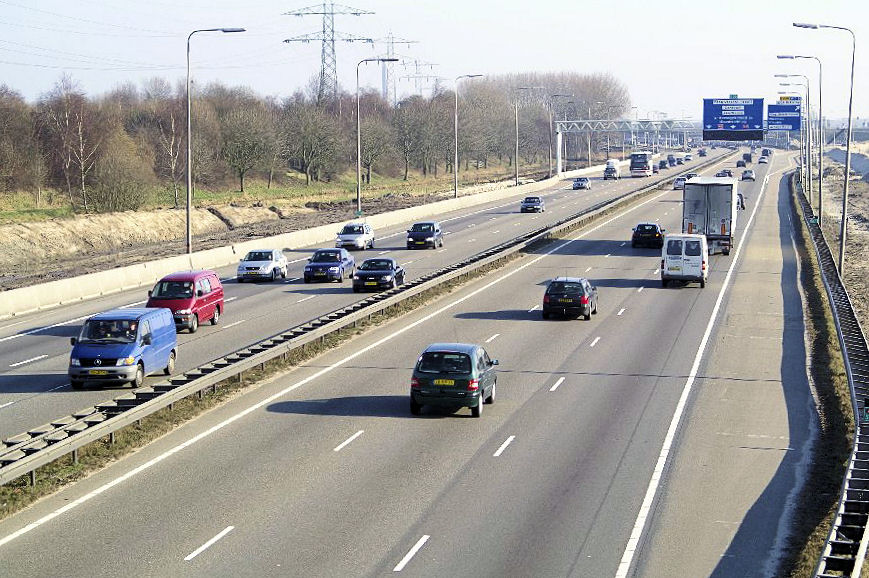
(664, 282)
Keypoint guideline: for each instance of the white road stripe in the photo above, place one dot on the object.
(622, 310)
(557, 383)
(493, 338)
(622, 245)
(471, 241)
(383, 252)
(291, 279)
(208, 544)
(441, 250)
(8, 403)
(407, 557)
(306, 298)
(448, 232)
(535, 308)
(406, 263)
(593, 343)
(496, 231)
(133, 304)
(640, 290)
(37, 358)
(607, 255)
(233, 324)
(230, 299)
(503, 447)
(38, 329)
(656, 272)
(346, 442)
(587, 269)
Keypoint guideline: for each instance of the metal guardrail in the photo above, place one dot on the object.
(845, 548)
(24, 453)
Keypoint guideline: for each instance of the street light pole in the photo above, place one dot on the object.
(359, 133)
(551, 101)
(456, 135)
(843, 234)
(516, 109)
(188, 232)
(807, 86)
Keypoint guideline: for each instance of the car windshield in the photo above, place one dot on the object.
(646, 228)
(692, 248)
(444, 362)
(532, 199)
(375, 265)
(351, 230)
(326, 257)
(564, 287)
(422, 228)
(582, 180)
(259, 256)
(109, 331)
(172, 290)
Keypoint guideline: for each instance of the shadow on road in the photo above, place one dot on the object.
(397, 406)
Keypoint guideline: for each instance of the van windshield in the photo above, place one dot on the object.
(172, 290)
(109, 331)
(692, 248)
(444, 362)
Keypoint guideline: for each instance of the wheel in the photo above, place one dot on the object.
(372, 243)
(170, 367)
(194, 324)
(274, 275)
(545, 315)
(478, 410)
(442, 242)
(394, 282)
(415, 408)
(663, 282)
(284, 273)
(356, 289)
(140, 376)
(633, 245)
(307, 280)
(76, 384)
(216, 317)
(594, 311)
(341, 276)
(491, 398)
(587, 316)
(240, 279)
(702, 283)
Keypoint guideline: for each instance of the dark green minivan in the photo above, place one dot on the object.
(453, 375)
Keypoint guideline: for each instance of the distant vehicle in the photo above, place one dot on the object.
(762, 161)
(688, 158)
(612, 163)
(641, 164)
(746, 157)
(425, 234)
(724, 173)
(532, 205)
(709, 207)
(663, 165)
(671, 160)
(193, 296)
(570, 297)
(766, 153)
(526, 181)
(690, 175)
(740, 163)
(330, 265)
(684, 257)
(377, 274)
(262, 264)
(453, 375)
(123, 346)
(611, 172)
(748, 175)
(648, 235)
(655, 169)
(701, 153)
(581, 183)
(680, 161)
(355, 236)
(679, 183)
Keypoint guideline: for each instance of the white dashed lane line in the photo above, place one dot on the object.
(503, 447)
(383, 252)
(556, 384)
(8, 403)
(535, 308)
(306, 298)
(493, 338)
(208, 544)
(32, 359)
(619, 314)
(640, 290)
(230, 299)
(593, 343)
(233, 324)
(587, 269)
(411, 553)
(347, 442)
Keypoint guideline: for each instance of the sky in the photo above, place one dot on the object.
(670, 54)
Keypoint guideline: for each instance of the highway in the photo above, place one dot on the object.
(324, 472)
(34, 350)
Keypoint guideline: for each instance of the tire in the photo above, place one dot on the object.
(703, 283)
(587, 316)
(274, 275)
(372, 244)
(76, 384)
(545, 315)
(140, 376)
(633, 245)
(415, 408)
(491, 399)
(240, 280)
(341, 277)
(356, 289)
(394, 282)
(284, 273)
(478, 410)
(307, 280)
(594, 311)
(216, 317)
(170, 367)
(664, 282)
(194, 324)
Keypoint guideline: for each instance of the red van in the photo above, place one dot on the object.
(193, 296)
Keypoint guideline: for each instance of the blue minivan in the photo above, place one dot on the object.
(123, 346)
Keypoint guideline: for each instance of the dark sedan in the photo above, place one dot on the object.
(378, 274)
(648, 235)
(570, 297)
(425, 234)
(330, 265)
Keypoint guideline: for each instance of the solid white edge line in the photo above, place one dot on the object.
(37, 358)
(493, 338)
(411, 553)
(306, 298)
(346, 442)
(316, 375)
(535, 308)
(503, 447)
(593, 343)
(657, 473)
(640, 290)
(556, 384)
(587, 269)
(230, 299)
(208, 544)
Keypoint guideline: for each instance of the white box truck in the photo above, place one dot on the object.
(709, 206)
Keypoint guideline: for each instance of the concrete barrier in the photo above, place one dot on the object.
(64, 291)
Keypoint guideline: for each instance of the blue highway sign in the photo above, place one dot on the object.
(783, 117)
(732, 119)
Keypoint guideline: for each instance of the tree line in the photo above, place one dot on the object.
(115, 151)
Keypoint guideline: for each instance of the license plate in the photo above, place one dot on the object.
(444, 382)
(98, 372)
(371, 282)
(674, 268)
(565, 300)
(320, 273)
(420, 242)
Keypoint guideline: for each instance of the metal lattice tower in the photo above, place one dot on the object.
(388, 87)
(328, 84)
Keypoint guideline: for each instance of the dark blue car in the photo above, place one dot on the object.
(330, 265)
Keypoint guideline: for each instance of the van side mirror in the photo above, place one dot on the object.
(495, 362)
(146, 340)
(199, 292)
(149, 292)
(663, 230)
(72, 340)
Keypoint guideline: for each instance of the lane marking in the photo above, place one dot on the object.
(441, 250)
(607, 255)
(306, 298)
(448, 232)
(535, 308)
(234, 323)
(472, 225)
(557, 383)
(208, 544)
(8, 403)
(347, 442)
(658, 472)
(493, 338)
(304, 381)
(587, 269)
(230, 299)
(407, 557)
(593, 343)
(471, 241)
(291, 279)
(503, 447)
(656, 271)
(133, 304)
(38, 329)
(37, 358)
(383, 252)
(622, 245)
(406, 263)
(496, 232)
(640, 290)
(619, 314)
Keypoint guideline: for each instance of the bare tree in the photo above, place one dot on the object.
(376, 141)
(310, 137)
(247, 140)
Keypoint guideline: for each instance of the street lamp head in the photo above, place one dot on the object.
(805, 25)
(387, 59)
(227, 30)
(786, 56)
(782, 75)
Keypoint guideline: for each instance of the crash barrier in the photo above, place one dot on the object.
(845, 547)
(24, 453)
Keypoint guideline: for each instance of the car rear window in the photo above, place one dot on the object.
(647, 228)
(692, 248)
(532, 199)
(674, 247)
(444, 362)
(422, 228)
(564, 287)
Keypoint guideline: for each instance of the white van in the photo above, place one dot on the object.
(684, 257)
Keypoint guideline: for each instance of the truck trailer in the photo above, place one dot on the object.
(709, 206)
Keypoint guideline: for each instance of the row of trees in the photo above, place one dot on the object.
(113, 152)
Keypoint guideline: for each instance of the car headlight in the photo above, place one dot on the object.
(356, 277)
(126, 361)
(387, 277)
(429, 238)
(73, 361)
(333, 269)
(184, 312)
(409, 239)
(308, 268)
